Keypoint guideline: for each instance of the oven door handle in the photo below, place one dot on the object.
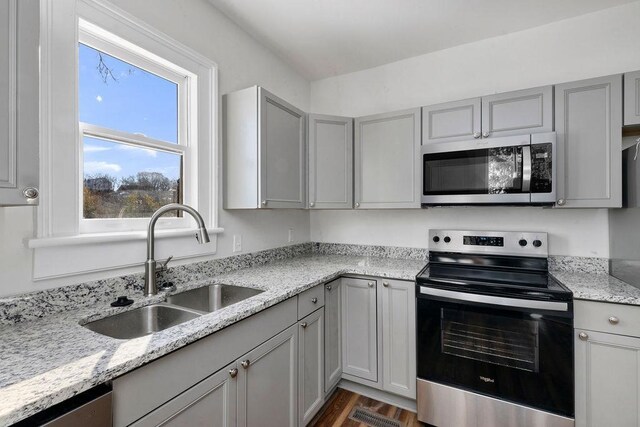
(526, 168)
(494, 300)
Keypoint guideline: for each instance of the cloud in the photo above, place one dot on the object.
(94, 148)
(99, 98)
(147, 151)
(95, 167)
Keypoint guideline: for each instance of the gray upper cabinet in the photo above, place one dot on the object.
(268, 382)
(359, 329)
(451, 121)
(19, 115)
(332, 335)
(632, 98)
(399, 337)
(517, 113)
(211, 402)
(311, 366)
(387, 160)
(330, 162)
(264, 151)
(588, 128)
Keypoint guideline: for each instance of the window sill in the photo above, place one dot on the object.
(93, 238)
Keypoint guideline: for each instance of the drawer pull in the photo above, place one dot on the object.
(583, 336)
(303, 324)
(245, 363)
(371, 284)
(233, 372)
(385, 284)
(328, 287)
(314, 300)
(614, 320)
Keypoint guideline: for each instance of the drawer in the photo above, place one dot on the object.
(618, 319)
(310, 300)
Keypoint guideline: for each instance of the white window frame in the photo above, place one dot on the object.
(186, 83)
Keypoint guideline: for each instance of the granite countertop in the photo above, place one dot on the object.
(598, 287)
(49, 360)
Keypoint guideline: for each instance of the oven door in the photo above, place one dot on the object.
(522, 355)
(483, 171)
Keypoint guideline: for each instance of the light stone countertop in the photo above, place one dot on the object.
(598, 287)
(46, 361)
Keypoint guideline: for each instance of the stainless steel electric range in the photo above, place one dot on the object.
(494, 333)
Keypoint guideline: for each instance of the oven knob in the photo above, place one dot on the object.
(537, 243)
(523, 242)
(436, 239)
(447, 239)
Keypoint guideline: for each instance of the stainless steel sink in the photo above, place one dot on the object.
(213, 297)
(141, 321)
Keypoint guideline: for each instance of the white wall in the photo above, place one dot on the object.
(242, 62)
(596, 44)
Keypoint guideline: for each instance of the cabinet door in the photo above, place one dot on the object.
(210, 403)
(282, 153)
(332, 335)
(267, 383)
(19, 23)
(387, 160)
(632, 98)
(311, 366)
(588, 128)
(517, 113)
(607, 380)
(330, 162)
(359, 331)
(451, 121)
(399, 337)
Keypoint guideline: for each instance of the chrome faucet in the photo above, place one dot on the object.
(150, 287)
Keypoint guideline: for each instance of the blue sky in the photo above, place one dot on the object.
(137, 102)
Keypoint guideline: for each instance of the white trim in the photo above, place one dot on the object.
(89, 238)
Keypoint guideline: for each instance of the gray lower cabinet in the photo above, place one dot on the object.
(310, 366)
(398, 322)
(211, 402)
(359, 328)
(632, 98)
(607, 379)
(588, 116)
(519, 112)
(19, 83)
(268, 383)
(264, 151)
(387, 160)
(451, 121)
(332, 335)
(330, 149)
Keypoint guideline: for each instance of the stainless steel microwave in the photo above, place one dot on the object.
(512, 170)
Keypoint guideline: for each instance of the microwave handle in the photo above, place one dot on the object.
(526, 168)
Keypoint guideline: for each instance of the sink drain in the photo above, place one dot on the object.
(372, 418)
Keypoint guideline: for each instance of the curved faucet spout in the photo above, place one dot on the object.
(202, 237)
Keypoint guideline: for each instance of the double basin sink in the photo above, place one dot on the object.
(177, 309)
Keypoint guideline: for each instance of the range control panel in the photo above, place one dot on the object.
(489, 242)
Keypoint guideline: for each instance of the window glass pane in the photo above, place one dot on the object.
(117, 95)
(124, 181)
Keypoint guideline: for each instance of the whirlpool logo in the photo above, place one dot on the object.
(487, 379)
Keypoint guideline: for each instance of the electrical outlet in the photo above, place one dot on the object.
(237, 243)
(291, 235)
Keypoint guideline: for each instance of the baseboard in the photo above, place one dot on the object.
(382, 396)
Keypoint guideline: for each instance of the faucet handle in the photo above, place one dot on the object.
(163, 265)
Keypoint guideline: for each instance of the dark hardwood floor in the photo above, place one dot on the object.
(335, 413)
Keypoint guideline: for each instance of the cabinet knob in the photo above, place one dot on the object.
(385, 284)
(486, 134)
(370, 284)
(476, 135)
(314, 300)
(264, 203)
(561, 202)
(303, 324)
(357, 205)
(30, 193)
(614, 320)
(328, 287)
(311, 204)
(233, 372)
(583, 336)
(245, 363)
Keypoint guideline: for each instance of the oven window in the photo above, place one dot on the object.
(485, 171)
(505, 342)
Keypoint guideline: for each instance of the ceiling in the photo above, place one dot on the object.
(322, 38)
